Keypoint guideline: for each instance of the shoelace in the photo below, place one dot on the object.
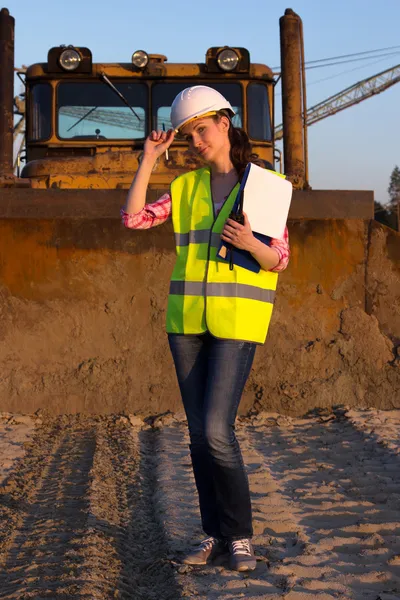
(208, 543)
(241, 547)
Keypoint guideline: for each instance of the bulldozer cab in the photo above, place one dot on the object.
(86, 122)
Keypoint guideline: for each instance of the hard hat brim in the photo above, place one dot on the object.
(204, 116)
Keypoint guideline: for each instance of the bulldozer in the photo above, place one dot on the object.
(86, 122)
(83, 300)
(86, 127)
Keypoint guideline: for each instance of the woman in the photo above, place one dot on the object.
(216, 316)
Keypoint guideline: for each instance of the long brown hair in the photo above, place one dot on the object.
(241, 152)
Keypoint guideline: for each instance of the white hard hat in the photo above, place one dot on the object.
(197, 101)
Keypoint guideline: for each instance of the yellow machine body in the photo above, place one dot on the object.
(103, 149)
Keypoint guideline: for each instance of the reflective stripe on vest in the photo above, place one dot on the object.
(199, 236)
(204, 294)
(228, 290)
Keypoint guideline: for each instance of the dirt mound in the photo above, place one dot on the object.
(82, 329)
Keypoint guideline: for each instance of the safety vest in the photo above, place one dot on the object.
(205, 295)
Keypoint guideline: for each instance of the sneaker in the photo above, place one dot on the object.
(205, 552)
(242, 555)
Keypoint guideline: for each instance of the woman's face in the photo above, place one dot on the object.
(207, 137)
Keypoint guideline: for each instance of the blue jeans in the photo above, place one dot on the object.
(211, 374)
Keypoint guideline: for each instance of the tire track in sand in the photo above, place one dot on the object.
(178, 511)
(338, 485)
(83, 514)
(51, 514)
(323, 521)
(78, 517)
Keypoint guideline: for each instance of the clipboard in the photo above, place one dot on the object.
(243, 258)
(267, 196)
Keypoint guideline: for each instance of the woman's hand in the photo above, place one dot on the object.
(239, 235)
(157, 143)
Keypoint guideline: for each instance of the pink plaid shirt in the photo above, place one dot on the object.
(158, 212)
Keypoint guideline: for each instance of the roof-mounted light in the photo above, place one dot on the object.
(140, 59)
(228, 60)
(70, 59)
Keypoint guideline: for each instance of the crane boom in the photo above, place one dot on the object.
(348, 97)
(116, 118)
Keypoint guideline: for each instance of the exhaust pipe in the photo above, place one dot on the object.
(293, 99)
(6, 92)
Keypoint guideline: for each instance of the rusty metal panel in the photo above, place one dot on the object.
(178, 70)
(113, 169)
(100, 204)
(6, 93)
(292, 98)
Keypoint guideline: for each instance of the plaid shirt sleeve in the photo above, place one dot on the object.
(151, 215)
(281, 245)
(158, 212)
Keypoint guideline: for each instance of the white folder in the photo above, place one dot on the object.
(266, 201)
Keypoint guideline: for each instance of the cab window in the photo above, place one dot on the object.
(39, 125)
(258, 113)
(92, 110)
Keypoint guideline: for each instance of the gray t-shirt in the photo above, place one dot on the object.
(218, 206)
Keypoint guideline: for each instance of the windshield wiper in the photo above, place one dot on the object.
(114, 89)
(82, 118)
(124, 100)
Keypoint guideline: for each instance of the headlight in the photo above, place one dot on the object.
(140, 58)
(70, 59)
(227, 60)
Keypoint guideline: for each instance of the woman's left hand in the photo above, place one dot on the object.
(238, 235)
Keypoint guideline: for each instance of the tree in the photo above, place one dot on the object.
(394, 188)
(385, 215)
(388, 213)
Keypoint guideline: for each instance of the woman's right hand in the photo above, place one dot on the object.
(157, 143)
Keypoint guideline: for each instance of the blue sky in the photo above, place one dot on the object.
(355, 149)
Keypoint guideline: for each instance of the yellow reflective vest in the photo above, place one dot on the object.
(205, 295)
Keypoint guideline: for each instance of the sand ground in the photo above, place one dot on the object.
(104, 507)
